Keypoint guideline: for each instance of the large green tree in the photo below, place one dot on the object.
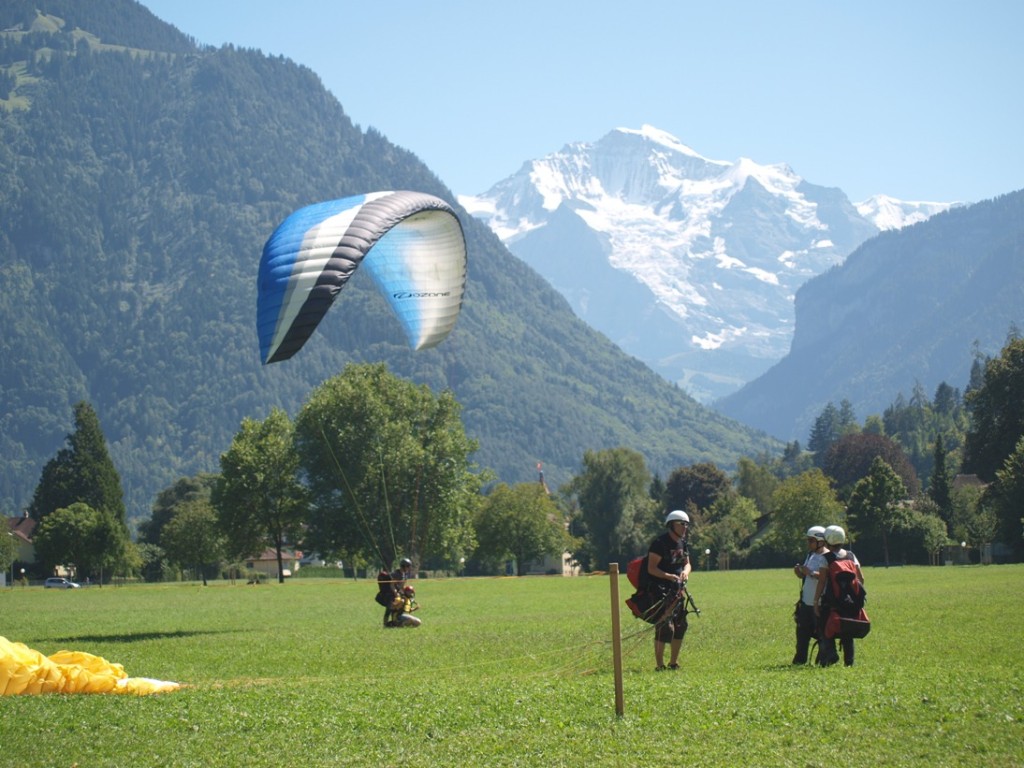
(973, 520)
(798, 503)
(80, 472)
(757, 482)
(520, 522)
(91, 540)
(618, 515)
(927, 528)
(997, 412)
(875, 505)
(851, 457)
(258, 497)
(730, 522)
(1005, 498)
(696, 488)
(192, 537)
(184, 490)
(387, 466)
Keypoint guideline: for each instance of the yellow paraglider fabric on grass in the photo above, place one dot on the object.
(25, 671)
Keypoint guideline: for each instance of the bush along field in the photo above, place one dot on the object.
(518, 672)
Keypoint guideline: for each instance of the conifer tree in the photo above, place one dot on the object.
(80, 472)
(938, 484)
(997, 413)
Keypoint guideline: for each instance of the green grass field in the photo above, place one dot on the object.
(518, 672)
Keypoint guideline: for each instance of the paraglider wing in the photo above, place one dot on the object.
(24, 671)
(412, 244)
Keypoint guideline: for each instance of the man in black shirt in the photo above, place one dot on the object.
(668, 568)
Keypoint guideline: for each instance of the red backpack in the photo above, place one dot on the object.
(844, 596)
(635, 571)
(642, 604)
(845, 591)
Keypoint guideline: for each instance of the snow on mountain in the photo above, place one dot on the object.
(889, 213)
(687, 263)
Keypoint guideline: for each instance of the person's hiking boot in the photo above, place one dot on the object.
(673, 666)
(660, 668)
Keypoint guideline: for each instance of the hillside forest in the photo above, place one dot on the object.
(350, 480)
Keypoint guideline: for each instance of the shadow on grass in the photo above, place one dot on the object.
(134, 637)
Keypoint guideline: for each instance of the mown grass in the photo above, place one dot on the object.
(518, 672)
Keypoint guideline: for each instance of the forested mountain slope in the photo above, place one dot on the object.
(139, 178)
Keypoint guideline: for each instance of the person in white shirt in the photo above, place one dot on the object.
(807, 572)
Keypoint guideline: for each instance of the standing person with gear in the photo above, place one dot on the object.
(805, 614)
(668, 568)
(835, 537)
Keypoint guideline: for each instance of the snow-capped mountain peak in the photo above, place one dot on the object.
(658, 136)
(690, 264)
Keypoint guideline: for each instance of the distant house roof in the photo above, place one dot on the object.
(271, 554)
(23, 527)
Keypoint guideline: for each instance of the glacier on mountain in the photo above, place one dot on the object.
(689, 264)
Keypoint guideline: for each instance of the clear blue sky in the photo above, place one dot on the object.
(917, 99)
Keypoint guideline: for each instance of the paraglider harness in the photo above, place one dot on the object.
(843, 599)
(656, 606)
(386, 591)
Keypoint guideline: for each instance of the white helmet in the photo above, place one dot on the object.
(816, 532)
(677, 516)
(835, 535)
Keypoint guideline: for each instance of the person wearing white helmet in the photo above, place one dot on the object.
(835, 537)
(805, 615)
(668, 568)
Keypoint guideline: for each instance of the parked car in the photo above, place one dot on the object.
(56, 582)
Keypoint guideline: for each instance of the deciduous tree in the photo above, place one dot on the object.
(696, 488)
(519, 522)
(89, 539)
(851, 457)
(192, 537)
(259, 499)
(731, 521)
(797, 504)
(875, 504)
(757, 483)
(387, 465)
(618, 515)
(185, 489)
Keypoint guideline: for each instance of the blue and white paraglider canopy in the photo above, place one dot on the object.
(411, 242)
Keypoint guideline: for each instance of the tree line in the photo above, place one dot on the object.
(374, 468)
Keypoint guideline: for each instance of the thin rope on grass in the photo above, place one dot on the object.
(592, 657)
